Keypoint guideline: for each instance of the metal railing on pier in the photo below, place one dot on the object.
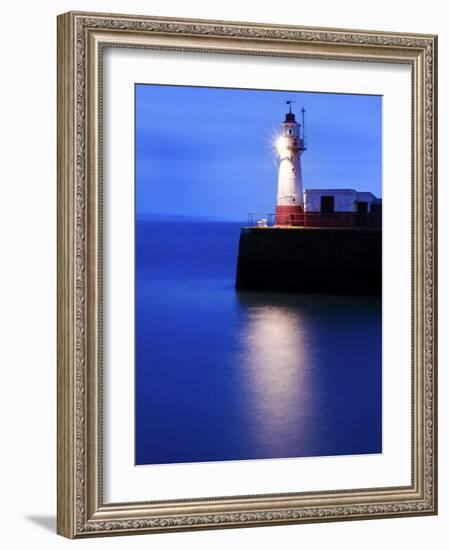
(315, 219)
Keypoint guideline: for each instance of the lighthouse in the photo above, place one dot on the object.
(290, 254)
(290, 145)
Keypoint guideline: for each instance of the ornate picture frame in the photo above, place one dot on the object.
(82, 39)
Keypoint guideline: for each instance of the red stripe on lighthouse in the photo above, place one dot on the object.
(289, 215)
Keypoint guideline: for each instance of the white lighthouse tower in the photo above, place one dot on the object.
(290, 146)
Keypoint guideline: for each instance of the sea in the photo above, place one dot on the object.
(227, 375)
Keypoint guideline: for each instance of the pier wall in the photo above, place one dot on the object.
(310, 260)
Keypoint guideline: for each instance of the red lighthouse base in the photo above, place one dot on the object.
(289, 215)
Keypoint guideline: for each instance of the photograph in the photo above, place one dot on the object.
(258, 274)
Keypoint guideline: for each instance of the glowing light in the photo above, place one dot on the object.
(281, 145)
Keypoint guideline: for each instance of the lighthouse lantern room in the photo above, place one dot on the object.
(290, 145)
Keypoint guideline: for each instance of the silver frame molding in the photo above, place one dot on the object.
(81, 39)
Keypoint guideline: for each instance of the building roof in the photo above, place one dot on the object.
(339, 190)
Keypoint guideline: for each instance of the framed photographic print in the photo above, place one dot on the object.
(246, 274)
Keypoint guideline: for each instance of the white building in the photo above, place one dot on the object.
(328, 201)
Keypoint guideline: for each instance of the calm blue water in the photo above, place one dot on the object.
(222, 375)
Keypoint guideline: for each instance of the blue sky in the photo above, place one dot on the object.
(209, 153)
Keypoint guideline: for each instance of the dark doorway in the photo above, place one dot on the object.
(362, 213)
(327, 204)
(376, 208)
(362, 207)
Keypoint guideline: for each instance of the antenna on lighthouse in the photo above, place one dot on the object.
(289, 103)
(303, 124)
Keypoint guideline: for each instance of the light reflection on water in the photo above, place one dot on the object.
(275, 371)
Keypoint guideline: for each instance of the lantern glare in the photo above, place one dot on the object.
(281, 146)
